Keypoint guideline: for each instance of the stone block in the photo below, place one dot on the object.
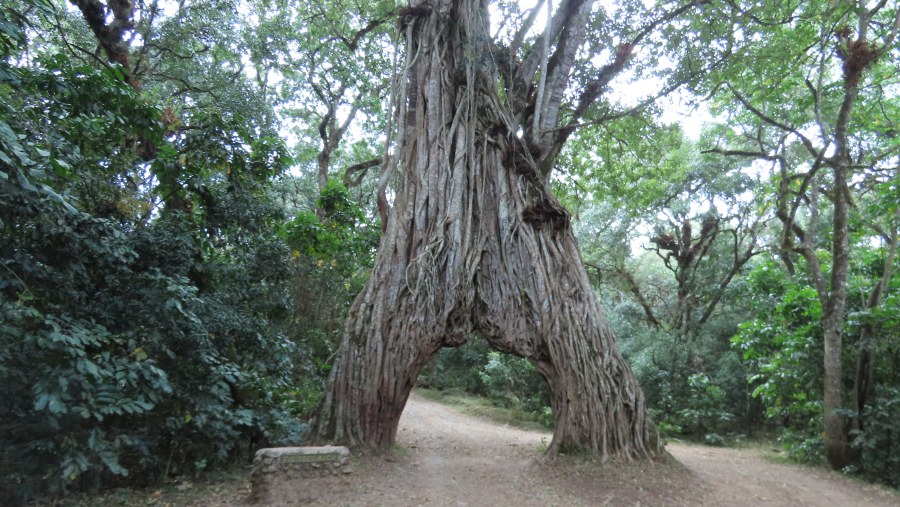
(291, 475)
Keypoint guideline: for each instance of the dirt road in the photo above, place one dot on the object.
(449, 459)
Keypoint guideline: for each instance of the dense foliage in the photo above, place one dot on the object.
(137, 341)
(509, 381)
(781, 348)
(331, 252)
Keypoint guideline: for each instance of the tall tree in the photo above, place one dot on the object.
(799, 77)
(475, 241)
(332, 71)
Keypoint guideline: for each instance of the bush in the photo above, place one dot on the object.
(331, 253)
(879, 441)
(704, 412)
(509, 381)
(781, 347)
(458, 368)
(514, 382)
(693, 387)
(134, 344)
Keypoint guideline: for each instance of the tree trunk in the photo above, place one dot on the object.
(858, 57)
(836, 442)
(476, 243)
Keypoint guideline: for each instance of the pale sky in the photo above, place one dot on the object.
(676, 107)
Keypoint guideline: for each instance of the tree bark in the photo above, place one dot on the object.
(475, 242)
(836, 442)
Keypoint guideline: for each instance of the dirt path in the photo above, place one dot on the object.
(742, 477)
(449, 459)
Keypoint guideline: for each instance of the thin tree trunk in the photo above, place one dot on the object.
(836, 448)
(475, 242)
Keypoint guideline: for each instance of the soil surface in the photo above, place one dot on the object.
(449, 459)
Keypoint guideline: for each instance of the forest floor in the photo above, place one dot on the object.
(446, 458)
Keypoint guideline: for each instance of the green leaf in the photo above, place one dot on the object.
(11, 140)
(40, 403)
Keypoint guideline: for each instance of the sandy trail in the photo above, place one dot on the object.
(449, 459)
(742, 477)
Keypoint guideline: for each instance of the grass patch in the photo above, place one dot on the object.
(484, 408)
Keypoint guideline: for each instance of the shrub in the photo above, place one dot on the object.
(879, 441)
(704, 412)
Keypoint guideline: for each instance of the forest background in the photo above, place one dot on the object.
(188, 206)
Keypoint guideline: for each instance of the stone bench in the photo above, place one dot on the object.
(297, 474)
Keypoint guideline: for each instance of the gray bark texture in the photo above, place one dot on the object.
(475, 242)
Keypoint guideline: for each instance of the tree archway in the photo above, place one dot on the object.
(476, 242)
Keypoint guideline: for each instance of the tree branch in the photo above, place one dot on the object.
(110, 37)
(353, 43)
(775, 123)
(531, 61)
(516, 42)
(354, 174)
(745, 153)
